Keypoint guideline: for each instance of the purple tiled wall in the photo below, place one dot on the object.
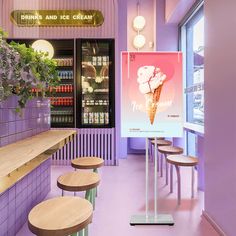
(35, 118)
(16, 202)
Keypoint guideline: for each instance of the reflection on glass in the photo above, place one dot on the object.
(195, 70)
(95, 83)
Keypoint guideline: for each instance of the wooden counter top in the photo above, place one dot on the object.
(18, 154)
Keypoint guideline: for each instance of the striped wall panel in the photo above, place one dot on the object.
(88, 142)
(107, 30)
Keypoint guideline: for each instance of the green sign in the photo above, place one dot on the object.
(35, 18)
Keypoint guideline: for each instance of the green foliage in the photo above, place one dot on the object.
(23, 69)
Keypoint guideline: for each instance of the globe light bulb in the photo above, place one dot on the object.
(43, 46)
(139, 23)
(139, 41)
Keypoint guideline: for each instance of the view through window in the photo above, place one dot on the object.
(195, 69)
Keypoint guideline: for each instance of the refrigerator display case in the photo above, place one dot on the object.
(85, 96)
(95, 83)
(62, 110)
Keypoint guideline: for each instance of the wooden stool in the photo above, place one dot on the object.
(88, 163)
(150, 145)
(76, 181)
(182, 160)
(169, 150)
(61, 216)
(160, 143)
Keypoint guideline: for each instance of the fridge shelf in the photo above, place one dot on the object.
(67, 114)
(90, 94)
(54, 106)
(96, 105)
(64, 67)
(67, 80)
(62, 125)
(60, 94)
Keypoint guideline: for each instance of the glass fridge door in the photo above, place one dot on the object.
(95, 83)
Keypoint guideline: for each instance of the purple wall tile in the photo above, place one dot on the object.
(4, 129)
(4, 141)
(11, 114)
(15, 126)
(3, 215)
(3, 228)
(3, 200)
(16, 202)
(1, 115)
(11, 138)
(12, 127)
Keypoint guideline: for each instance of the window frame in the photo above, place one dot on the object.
(192, 16)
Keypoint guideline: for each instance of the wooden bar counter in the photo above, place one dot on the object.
(20, 158)
(25, 175)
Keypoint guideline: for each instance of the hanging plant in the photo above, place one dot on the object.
(22, 71)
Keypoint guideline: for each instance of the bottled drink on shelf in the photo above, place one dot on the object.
(71, 75)
(91, 117)
(101, 118)
(106, 118)
(96, 118)
(62, 88)
(85, 117)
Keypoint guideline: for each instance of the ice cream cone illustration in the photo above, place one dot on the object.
(151, 79)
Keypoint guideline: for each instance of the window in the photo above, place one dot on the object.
(192, 45)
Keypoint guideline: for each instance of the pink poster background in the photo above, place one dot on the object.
(169, 116)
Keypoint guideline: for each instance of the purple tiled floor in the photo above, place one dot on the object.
(121, 194)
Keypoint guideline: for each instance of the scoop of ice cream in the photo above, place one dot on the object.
(149, 78)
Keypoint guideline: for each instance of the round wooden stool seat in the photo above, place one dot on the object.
(158, 138)
(177, 161)
(76, 181)
(87, 162)
(182, 160)
(161, 142)
(60, 216)
(170, 150)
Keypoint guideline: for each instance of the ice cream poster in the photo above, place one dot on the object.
(152, 94)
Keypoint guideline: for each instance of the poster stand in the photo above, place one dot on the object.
(151, 219)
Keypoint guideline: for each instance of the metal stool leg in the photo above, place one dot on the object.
(179, 184)
(96, 190)
(193, 180)
(161, 165)
(62, 192)
(171, 178)
(150, 150)
(90, 196)
(167, 170)
(86, 231)
(93, 196)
